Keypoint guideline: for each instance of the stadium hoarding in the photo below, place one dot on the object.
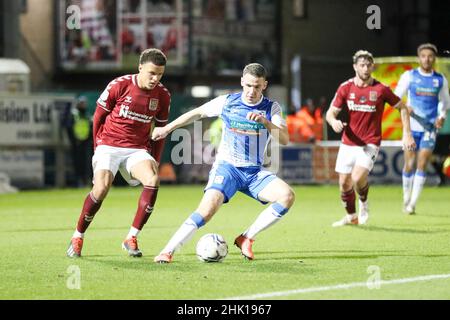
(30, 125)
(32, 120)
(388, 71)
(25, 168)
(297, 164)
(315, 163)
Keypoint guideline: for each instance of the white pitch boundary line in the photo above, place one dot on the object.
(338, 287)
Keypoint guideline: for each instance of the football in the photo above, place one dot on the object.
(211, 248)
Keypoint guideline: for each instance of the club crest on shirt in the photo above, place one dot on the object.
(373, 96)
(153, 105)
(260, 112)
(435, 83)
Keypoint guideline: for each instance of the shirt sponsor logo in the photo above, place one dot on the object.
(429, 92)
(123, 111)
(126, 113)
(360, 107)
(246, 127)
(153, 105)
(362, 99)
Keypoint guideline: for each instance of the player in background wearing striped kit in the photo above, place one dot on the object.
(249, 121)
(429, 100)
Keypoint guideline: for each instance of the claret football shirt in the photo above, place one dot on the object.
(132, 111)
(365, 106)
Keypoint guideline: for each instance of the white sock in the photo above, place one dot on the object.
(407, 180)
(271, 215)
(133, 232)
(363, 205)
(184, 233)
(419, 181)
(77, 234)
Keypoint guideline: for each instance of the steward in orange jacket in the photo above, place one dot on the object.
(306, 125)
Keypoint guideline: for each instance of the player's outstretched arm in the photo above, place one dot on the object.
(408, 140)
(183, 120)
(332, 120)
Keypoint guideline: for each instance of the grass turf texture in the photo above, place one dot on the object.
(301, 251)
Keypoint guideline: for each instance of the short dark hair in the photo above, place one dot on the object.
(155, 56)
(362, 54)
(428, 46)
(256, 70)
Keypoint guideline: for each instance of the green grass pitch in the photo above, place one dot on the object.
(302, 251)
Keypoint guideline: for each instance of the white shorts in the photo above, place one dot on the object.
(350, 156)
(122, 159)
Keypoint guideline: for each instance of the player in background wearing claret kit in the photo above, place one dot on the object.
(249, 121)
(123, 120)
(429, 99)
(364, 98)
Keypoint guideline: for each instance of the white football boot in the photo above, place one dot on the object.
(409, 209)
(348, 219)
(363, 215)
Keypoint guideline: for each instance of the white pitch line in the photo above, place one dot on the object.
(337, 287)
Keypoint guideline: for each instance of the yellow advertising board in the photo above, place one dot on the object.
(388, 71)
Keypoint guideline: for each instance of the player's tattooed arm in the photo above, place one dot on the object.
(332, 120)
